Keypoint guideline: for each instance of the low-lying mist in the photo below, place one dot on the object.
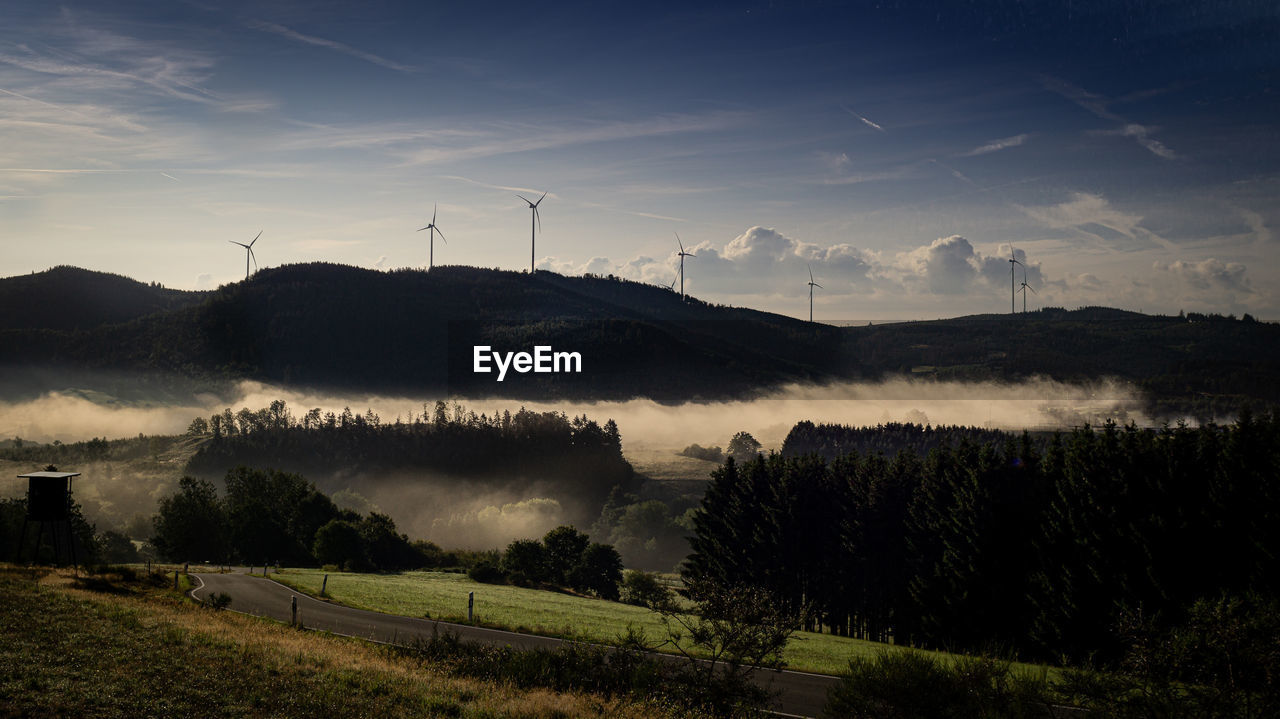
(482, 513)
(1032, 404)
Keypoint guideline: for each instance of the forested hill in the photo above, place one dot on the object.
(326, 325)
(1207, 365)
(69, 298)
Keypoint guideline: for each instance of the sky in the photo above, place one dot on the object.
(1126, 153)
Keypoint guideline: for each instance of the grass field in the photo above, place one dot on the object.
(107, 647)
(441, 595)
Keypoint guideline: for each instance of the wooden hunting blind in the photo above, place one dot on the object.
(49, 505)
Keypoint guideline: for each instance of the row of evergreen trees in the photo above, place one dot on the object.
(1004, 545)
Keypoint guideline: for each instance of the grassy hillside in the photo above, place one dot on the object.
(440, 595)
(107, 647)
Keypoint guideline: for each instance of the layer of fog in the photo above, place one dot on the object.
(488, 513)
(456, 512)
(1035, 404)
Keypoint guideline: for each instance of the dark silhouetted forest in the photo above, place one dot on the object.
(1011, 544)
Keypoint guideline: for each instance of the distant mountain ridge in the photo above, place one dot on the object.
(69, 298)
(411, 331)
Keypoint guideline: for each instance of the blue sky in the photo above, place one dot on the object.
(1127, 151)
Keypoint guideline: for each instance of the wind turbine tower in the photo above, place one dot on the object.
(536, 218)
(431, 257)
(1023, 290)
(248, 253)
(683, 255)
(1013, 291)
(812, 284)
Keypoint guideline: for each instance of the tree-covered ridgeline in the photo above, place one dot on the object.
(1035, 547)
(577, 454)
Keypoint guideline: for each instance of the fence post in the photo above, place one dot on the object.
(324, 583)
(293, 611)
(471, 603)
(175, 579)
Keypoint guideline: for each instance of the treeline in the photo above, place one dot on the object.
(577, 454)
(830, 441)
(1003, 544)
(278, 518)
(92, 450)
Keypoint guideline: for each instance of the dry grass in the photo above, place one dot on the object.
(124, 650)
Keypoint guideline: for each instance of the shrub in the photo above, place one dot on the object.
(914, 685)
(643, 589)
(487, 573)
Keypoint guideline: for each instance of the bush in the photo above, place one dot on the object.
(644, 590)
(1222, 661)
(487, 573)
(710, 454)
(913, 685)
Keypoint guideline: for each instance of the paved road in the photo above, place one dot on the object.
(800, 694)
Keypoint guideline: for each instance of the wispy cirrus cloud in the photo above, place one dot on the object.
(1098, 105)
(507, 188)
(345, 49)
(997, 145)
(633, 213)
(80, 51)
(1093, 217)
(508, 138)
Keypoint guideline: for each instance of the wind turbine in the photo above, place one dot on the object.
(431, 258)
(535, 218)
(683, 255)
(248, 253)
(812, 284)
(1024, 289)
(1013, 292)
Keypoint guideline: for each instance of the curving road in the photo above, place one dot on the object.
(799, 694)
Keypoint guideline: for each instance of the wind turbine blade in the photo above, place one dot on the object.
(442, 235)
(537, 215)
(1033, 290)
(540, 199)
(238, 243)
(420, 229)
(255, 258)
(433, 213)
(255, 238)
(810, 272)
(525, 199)
(815, 284)
(678, 242)
(689, 254)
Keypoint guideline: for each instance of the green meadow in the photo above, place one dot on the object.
(443, 595)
